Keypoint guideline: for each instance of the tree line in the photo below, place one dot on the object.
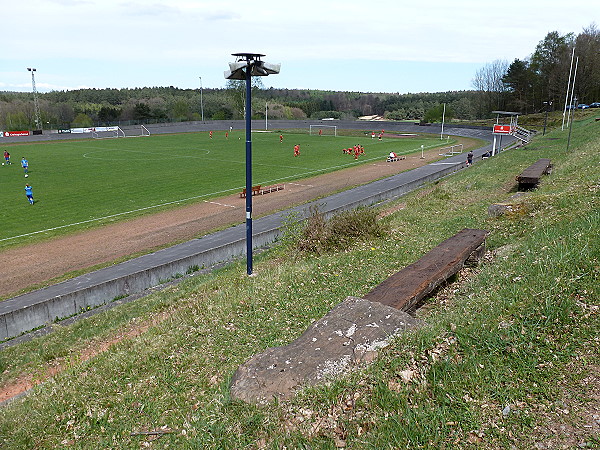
(529, 85)
(540, 82)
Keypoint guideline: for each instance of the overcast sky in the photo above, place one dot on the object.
(368, 46)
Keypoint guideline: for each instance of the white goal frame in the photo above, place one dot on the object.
(320, 127)
(117, 132)
(108, 132)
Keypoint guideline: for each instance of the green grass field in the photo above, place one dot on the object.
(83, 183)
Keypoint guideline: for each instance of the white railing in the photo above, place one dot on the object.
(452, 150)
(522, 134)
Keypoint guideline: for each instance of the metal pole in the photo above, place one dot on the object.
(443, 118)
(266, 115)
(567, 94)
(201, 104)
(570, 124)
(572, 105)
(248, 168)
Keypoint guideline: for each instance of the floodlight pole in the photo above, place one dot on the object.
(38, 120)
(248, 171)
(247, 65)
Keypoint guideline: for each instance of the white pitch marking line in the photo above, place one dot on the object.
(303, 185)
(220, 204)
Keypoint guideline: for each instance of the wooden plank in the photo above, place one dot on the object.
(532, 174)
(412, 284)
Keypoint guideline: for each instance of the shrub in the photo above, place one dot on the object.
(338, 233)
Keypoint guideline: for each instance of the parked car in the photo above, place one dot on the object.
(595, 105)
(583, 106)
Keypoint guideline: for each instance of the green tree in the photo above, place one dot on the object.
(108, 114)
(82, 120)
(588, 76)
(550, 63)
(236, 90)
(519, 81)
(141, 111)
(436, 114)
(180, 110)
(16, 121)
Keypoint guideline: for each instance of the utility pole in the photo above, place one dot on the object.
(38, 121)
(201, 104)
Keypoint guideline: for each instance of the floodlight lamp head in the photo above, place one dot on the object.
(271, 69)
(236, 75)
(250, 61)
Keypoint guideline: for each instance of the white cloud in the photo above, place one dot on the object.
(95, 40)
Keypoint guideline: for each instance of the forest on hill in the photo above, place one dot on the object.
(538, 83)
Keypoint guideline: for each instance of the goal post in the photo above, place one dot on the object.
(106, 132)
(322, 130)
(133, 132)
(117, 132)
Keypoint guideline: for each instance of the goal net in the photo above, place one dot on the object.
(140, 131)
(118, 132)
(322, 130)
(107, 132)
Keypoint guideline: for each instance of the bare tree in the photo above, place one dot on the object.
(488, 82)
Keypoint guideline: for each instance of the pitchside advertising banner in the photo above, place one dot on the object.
(92, 129)
(70, 130)
(16, 133)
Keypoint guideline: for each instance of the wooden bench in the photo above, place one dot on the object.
(530, 177)
(259, 190)
(395, 158)
(273, 188)
(407, 288)
(255, 191)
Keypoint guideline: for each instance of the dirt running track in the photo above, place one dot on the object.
(39, 264)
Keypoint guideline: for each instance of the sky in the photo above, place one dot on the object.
(359, 46)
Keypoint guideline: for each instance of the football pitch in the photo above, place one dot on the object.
(89, 182)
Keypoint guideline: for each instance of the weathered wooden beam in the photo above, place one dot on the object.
(530, 177)
(408, 287)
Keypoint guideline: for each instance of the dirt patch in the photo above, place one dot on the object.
(41, 263)
(28, 381)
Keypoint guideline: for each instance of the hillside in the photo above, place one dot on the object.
(508, 355)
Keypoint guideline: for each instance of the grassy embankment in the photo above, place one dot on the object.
(509, 355)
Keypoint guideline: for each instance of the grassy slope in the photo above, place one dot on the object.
(507, 350)
(79, 181)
